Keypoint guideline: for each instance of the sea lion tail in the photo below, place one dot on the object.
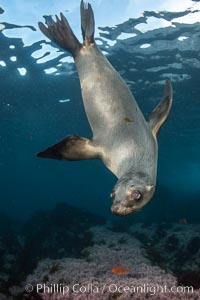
(87, 23)
(61, 33)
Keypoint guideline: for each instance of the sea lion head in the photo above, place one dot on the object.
(131, 192)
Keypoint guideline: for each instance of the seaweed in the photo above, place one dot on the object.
(56, 233)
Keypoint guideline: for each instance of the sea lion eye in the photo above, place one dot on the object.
(136, 195)
(112, 195)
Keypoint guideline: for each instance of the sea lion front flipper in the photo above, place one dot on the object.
(161, 112)
(71, 148)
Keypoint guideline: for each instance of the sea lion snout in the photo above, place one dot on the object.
(122, 211)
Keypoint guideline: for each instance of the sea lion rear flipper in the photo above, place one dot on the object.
(61, 33)
(87, 23)
(161, 112)
(71, 148)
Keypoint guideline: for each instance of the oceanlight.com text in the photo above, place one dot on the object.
(111, 288)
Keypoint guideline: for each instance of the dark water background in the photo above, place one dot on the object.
(32, 118)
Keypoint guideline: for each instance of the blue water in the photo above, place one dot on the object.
(33, 118)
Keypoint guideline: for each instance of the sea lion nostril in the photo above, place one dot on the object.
(115, 210)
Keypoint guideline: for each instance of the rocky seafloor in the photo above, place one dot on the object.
(69, 254)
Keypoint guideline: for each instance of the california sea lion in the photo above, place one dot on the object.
(122, 138)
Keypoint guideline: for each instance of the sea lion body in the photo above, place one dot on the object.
(109, 104)
(122, 138)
